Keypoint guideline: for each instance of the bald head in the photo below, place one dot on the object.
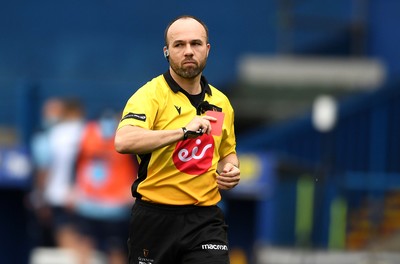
(185, 22)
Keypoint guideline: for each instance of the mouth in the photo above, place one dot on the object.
(189, 62)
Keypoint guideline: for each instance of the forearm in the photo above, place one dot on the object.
(231, 158)
(132, 139)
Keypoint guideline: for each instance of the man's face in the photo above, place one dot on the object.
(188, 47)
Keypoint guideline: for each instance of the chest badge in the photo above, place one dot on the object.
(194, 156)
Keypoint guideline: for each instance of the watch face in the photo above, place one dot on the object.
(193, 134)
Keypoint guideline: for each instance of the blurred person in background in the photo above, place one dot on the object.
(51, 114)
(102, 191)
(64, 139)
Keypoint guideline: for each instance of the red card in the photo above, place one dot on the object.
(216, 126)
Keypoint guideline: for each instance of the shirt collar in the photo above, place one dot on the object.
(175, 86)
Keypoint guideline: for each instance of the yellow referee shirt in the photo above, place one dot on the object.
(183, 173)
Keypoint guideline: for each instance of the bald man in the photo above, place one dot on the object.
(182, 130)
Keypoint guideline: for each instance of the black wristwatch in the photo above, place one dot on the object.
(191, 134)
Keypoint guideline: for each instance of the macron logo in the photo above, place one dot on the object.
(214, 247)
(178, 108)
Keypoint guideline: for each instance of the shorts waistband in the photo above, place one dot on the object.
(170, 208)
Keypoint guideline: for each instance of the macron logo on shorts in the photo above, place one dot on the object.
(214, 247)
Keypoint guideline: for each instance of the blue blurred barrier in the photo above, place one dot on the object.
(15, 168)
(372, 181)
(258, 175)
(15, 180)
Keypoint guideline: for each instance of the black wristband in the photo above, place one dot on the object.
(185, 134)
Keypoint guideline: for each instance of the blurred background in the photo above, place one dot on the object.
(316, 91)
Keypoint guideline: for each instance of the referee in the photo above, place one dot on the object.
(182, 130)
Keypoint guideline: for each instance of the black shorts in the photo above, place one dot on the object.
(162, 234)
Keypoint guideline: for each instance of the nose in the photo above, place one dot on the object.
(188, 50)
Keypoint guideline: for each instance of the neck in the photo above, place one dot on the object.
(192, 86)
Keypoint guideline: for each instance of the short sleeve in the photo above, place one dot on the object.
(228, 142)
(141, 109)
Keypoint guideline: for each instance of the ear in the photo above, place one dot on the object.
(166, 53)
(208, 48)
